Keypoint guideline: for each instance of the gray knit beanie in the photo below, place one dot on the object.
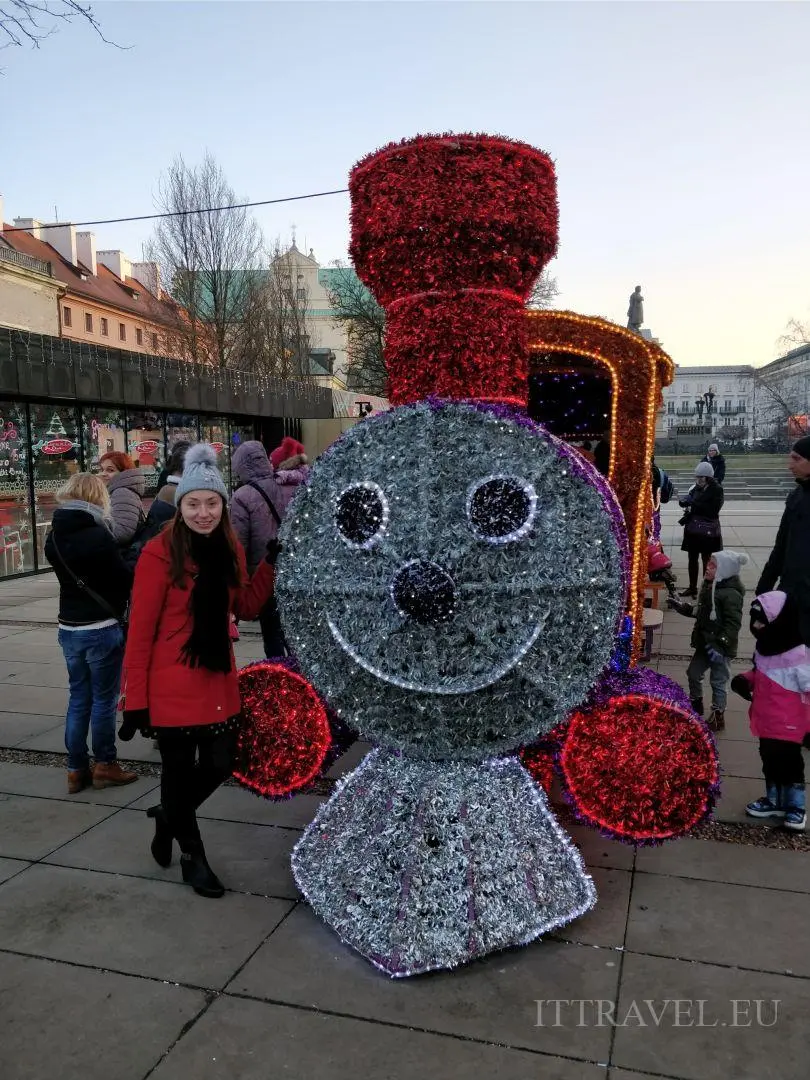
(703, 469)
(200, 473)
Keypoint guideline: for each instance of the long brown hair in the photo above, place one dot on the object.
(180, 537)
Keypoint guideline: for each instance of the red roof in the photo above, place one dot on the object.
(104, 287)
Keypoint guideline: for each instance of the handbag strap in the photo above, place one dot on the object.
(270, 505)
(102, 603)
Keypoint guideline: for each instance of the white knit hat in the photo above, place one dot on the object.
(200, 473)
(729, 564)
(703, 468)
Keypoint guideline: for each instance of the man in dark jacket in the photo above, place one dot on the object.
(717, 462)
(789, 562)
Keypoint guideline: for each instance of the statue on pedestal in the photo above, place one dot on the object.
(635, 312)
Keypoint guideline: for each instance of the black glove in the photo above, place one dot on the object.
(679, 606)
(134, 720)
(273, 551)
(740, 685)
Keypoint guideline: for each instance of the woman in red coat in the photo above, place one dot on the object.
(180, 683)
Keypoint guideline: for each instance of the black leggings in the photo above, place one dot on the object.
(782, 762)
(193, 767)
(693, 567)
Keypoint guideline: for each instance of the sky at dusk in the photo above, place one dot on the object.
(680, 133)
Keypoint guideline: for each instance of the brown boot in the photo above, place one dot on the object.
(78, 780)
(110, 774)
(717, 720)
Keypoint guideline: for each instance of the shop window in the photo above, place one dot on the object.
(54, 440)
(183, 427)
(102, 431)
(214, 429)
(239, 433)
(146, 445)
(16, 525)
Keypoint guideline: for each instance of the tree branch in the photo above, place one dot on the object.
(26, 21)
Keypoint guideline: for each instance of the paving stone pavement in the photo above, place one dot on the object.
(110, 967)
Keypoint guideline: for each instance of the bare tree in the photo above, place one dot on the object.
(30, 22)
(797, 333)
(208, 258)
(363, 320)
(544, 292)
(781, 406)
(276, 333)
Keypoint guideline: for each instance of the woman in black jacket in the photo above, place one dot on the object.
(94, 587)
(702, 535)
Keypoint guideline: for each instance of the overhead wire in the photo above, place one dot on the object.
(183, 213)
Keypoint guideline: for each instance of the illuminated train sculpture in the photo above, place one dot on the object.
(462, 588)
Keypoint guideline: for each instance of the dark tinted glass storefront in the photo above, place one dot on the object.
(42, 444)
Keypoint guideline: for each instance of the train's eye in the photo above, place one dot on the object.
(501, 509)
(361, 514)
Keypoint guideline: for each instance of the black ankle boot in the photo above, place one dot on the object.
(161, 846)
(697, 705)
(199, 875)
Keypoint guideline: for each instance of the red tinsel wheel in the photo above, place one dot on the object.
(641, 769)
(286, 733)
(538, 761)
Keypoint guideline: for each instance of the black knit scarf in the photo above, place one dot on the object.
(209, 644)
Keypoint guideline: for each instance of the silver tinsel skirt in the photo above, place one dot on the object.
(421, 865)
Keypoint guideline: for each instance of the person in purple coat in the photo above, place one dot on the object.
(257, 510)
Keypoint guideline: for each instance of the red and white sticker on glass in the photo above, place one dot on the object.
(57, 446)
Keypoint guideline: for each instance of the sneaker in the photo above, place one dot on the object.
(110, 774)
(795, 819)
(793, 797)
(764, 808)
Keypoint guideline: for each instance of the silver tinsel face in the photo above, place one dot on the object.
(448, 583)
(422, 865)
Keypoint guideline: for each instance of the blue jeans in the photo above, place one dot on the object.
(94, 659)
(719, 675)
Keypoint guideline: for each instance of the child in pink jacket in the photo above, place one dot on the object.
(779, 691)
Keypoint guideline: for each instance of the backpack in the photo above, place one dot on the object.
(149, 526)
(667, 488)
